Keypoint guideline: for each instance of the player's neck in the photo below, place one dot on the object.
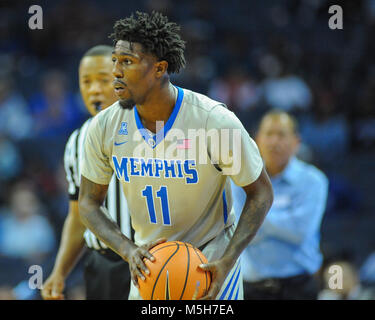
(158, 106)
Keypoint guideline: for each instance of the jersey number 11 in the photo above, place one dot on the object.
(162, 193)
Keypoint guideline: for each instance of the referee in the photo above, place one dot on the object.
(106, 274)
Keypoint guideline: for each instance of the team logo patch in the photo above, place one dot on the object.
(124, 129)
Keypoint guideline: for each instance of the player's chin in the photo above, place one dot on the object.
(127, 103)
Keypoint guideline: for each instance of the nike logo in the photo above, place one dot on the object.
(120, 143)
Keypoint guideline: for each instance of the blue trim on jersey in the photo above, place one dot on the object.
(236, 297)
(234, 284)
(229, 283)
(160, 135)
(225, 208)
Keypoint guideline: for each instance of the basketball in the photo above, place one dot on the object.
(174, 275)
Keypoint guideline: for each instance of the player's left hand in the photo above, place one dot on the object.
(219, 270)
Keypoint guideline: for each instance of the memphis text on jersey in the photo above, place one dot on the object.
(127, 167)
(225, 150)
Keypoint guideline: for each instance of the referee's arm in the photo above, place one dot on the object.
(70, 250)
(72, 241)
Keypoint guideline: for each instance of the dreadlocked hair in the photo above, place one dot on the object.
(156, 34)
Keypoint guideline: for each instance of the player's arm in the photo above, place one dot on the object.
(70, 250)
(259, 197)
(96, 173)
(91, 197)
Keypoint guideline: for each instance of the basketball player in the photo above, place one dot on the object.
(106, 274)
(170, 196)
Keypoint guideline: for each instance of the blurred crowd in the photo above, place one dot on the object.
(252, 55)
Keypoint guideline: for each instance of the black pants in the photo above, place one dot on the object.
(301, 287)
(107, 276)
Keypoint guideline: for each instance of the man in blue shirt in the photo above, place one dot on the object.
(281, 260)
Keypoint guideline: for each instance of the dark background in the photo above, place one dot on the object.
(253, 55)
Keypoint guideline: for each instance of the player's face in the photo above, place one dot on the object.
(96, 83)
(277, 141)
(134, 73)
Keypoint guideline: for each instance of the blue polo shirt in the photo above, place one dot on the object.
(288, 242)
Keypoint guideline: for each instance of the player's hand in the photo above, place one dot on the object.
(53, 287)
(136, 264)
(219, 270)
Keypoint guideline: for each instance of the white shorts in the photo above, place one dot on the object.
(232, 288)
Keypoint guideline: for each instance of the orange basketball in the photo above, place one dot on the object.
(174, 274)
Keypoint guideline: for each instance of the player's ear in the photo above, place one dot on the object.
(161, 68)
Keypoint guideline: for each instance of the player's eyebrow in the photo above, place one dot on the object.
(124, 54)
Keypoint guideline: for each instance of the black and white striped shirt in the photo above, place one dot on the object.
(115, 204)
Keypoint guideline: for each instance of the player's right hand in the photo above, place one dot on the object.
(53, 287)
(136, 264)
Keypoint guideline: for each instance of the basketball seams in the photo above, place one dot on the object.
(162, 268)
(183, 243)
(187, 270)
(171, 245)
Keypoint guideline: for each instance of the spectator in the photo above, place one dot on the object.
(281, 260)
(26, 236)
(236, 89)
(364, 114)
(15, 119)
(10, 160)
(325, 128)
(284, 90)
(55, 109)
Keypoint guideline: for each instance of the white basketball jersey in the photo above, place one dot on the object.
(170, 190)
